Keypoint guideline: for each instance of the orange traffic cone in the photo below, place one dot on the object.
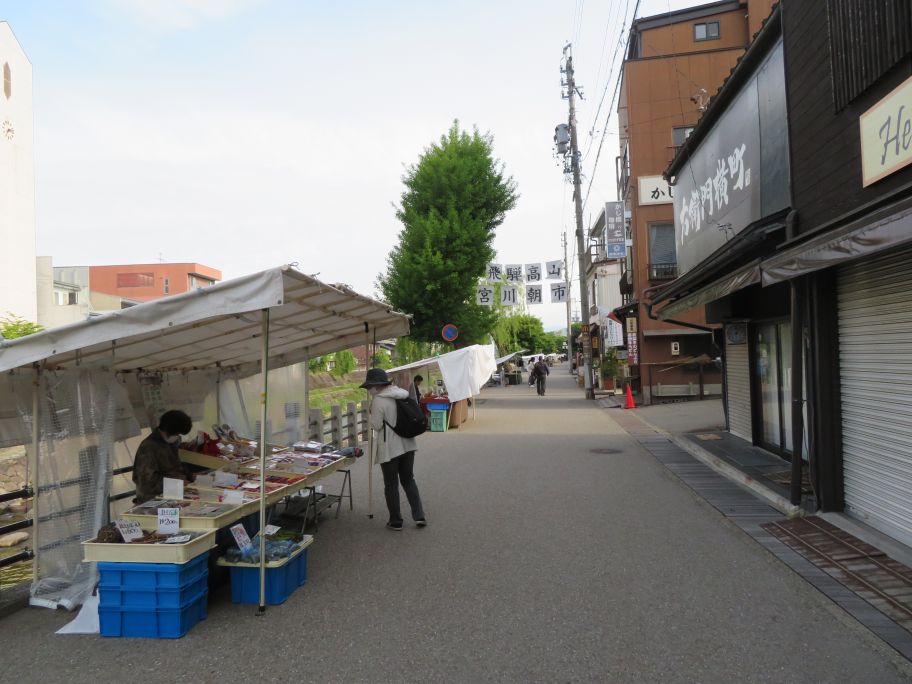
(630, 403)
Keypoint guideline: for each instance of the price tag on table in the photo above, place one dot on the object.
(168, 520)
(272, 529)
(223, 479)
(241, 537)
(178, 539)
(204, 480)
(129, 529)
(233, 496)
(172, 488)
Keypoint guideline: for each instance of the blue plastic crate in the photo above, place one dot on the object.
(280, 582)
(158, 624)
(438, 406)
(152, 576)
(133, 596)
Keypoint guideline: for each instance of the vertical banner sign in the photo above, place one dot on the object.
(558, 293)
(508, 296)
(555, 269)
(615, 231)
(533, 294)
(495, 272)
(533, 273)
(514, 273)
(484, 295)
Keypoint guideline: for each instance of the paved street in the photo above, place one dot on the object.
(543, 562)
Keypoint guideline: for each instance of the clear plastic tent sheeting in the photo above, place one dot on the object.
(83, 415)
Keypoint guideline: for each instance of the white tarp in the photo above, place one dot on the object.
(464, 371)
(220, 325)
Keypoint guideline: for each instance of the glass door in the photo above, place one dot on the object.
(772, 372)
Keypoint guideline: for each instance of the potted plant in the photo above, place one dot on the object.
(609, 368)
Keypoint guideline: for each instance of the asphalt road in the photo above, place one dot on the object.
(543, 562)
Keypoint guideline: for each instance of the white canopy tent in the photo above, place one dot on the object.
(464, 371)
(248, 325)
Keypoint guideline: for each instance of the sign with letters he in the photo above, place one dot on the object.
(886, 135)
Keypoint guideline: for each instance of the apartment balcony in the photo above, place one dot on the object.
(626, 284)
(663, 272)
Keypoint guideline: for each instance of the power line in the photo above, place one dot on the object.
(617, 89)
(607, 79)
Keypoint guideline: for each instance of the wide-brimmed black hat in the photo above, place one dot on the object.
(376, 377)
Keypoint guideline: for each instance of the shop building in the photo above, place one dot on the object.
(807, 268)
(675, 62)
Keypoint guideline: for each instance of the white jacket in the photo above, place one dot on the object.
(387, 444)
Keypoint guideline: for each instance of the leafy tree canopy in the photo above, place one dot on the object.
(455, 198)
(345, 362)
(13, 326)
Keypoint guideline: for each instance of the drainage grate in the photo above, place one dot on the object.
(604, 450)
(883, 582)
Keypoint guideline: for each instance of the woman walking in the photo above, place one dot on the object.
(394, 453)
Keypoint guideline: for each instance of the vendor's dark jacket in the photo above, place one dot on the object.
(155, 459)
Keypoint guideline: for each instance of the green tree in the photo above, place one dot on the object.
(317, 364)
(381, 359)
(455, 198)
(345, 362)
(520, 331)
(13, 326)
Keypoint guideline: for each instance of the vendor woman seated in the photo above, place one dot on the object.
(156, 458)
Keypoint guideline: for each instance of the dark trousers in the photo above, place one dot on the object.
(401, 470)
(540, 384)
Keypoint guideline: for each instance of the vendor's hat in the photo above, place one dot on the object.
(376, 377)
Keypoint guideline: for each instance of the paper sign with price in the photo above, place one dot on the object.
(241, 537)
(168, 520)
(129, 529)
(271, 530)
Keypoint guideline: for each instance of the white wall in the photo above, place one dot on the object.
(18, 274)
(50, 314)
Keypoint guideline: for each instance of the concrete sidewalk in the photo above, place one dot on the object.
(698, 427)
(558, 550)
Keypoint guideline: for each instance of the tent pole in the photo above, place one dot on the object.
(264, 396)
(370, 430)
(33, 469)
(218, 393)
(306, 412)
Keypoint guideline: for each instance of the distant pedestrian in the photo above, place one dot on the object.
(394, 453)
(416, 387)
(541, 372)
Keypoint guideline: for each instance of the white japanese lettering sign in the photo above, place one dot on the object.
(533, 294)
(129, 529)
(484, 295)
(495, 272)
(168, 520)
(555, 269)
(558, 293)
(514, 273)
(533, 273)
(509, 296)
(241, 538)
(654, 190)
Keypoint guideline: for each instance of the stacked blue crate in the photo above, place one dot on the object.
(282, 578)
(161, 600)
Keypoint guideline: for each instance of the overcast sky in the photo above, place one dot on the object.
(244, 134)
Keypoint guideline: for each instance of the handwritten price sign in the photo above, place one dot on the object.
(168, 520)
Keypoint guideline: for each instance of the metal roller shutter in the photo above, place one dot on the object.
(737, 383)
(875, 367)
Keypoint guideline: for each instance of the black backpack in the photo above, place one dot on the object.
(410, 419)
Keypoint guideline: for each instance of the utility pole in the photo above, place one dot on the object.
(570, 356)
(580, 241)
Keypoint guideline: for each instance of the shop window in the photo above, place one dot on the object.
(679, 134)
(773, 372)
(64, 297)
(662, 255)
(135, 280)
(167, 286)
(706, 31)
